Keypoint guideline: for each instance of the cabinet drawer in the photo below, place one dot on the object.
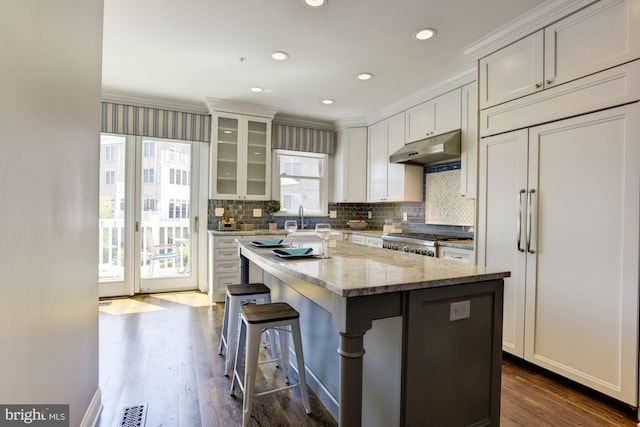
(221, 281)
(375, 242)
(225, 254)
(358, 239)
(453, 254)
(226, 267)
(224, 242)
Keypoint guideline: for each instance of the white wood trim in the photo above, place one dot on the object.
(92, 413)
(460, 79)
(237, 107)
(528, 23)
(285, 119)
(152, 102)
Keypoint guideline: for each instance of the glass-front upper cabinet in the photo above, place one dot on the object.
(240, 159)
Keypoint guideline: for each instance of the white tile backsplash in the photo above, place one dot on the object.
(443, 202)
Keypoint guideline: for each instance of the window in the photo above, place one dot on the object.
(149, 149)
(148, 176)
(302, 181)
(109, 152)
(150, 204)
(110, 177)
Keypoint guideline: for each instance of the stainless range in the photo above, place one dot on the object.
(416, 243)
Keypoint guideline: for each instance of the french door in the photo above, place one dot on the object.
(149, 205)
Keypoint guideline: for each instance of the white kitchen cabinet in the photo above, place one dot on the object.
(456, 254)
(224, 265)
(433, 117)
(390, 182)
(240, 157)
(469, 141)
(358, 239)
(603, 35)
(513, 71)
(373, 241)
(350, 166)
(550, 196)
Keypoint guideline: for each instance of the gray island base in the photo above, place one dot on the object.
(417, 339)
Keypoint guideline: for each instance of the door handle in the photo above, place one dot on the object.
(529, 209)
(519, 226)
(197, 223)
(137, 226)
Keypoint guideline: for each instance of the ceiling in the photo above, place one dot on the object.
(184, 51)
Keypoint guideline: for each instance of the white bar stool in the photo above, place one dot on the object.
(236, 296)
(255, 319)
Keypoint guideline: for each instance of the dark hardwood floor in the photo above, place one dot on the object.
(161, 350)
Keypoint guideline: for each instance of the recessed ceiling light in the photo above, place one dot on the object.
(425, 33)
(327, 101)
(256, 89)
(315, 3)
(365, 76)
(279, 55)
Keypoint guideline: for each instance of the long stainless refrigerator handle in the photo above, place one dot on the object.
(529, 209)
(520, 193)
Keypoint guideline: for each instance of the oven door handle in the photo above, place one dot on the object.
(530, 210)
(519, 224)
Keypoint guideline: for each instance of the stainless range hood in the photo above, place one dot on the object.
(429, 150)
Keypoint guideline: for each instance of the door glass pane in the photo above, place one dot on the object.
(227, 160)
(112, 208)
(256, 158)
(165, 209)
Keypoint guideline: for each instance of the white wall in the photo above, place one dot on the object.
(50, 78)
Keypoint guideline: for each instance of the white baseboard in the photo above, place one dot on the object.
(90, 418)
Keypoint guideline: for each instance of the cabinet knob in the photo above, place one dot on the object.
(549, 81)
(538, 85)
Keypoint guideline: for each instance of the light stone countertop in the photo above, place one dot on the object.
(356, 270)
(255, 232)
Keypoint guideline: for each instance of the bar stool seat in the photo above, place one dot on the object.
(254, 319)
(236, 296)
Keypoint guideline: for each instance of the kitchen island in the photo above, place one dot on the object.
(431, 328)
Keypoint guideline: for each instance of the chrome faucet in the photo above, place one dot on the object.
(301, 213)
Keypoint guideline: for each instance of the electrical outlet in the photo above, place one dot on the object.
(369, 215)
(257, 213)
(218, 211)
(459, 310)
(333, 214)
(405, 217)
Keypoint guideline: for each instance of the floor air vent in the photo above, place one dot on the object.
(134, 416)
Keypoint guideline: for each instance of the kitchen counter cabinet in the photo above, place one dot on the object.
(557, 55)
(350, 166)
(390, 182)
(460, 252)
(433, 117)
(574, 313)
(364, 298)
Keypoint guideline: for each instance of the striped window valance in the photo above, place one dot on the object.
(302, 139)
(155, 122)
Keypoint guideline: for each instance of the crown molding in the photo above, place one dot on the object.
(304, 122)
(528, 23)
(237, 107)
(460, 79)
(153, 102)
(353, 122)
